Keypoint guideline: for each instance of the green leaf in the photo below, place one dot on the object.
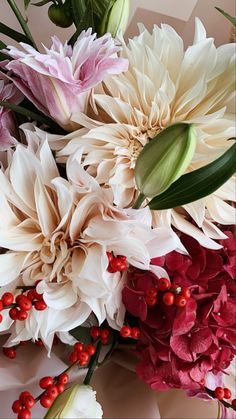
(197, 184)
(232, 19)
(102, 7)
(42, 3)
(22, 22)
(11, 33)
(82, 334)
(86, 22)
(26, 3)
(79, 8)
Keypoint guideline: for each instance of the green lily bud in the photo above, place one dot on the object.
(164, 159)
(60, 15)
(116, 18)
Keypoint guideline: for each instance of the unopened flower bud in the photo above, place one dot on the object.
(116, 19)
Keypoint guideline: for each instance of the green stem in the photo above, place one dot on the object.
(22, 22)
(11, 33)
(139, 201)
(92, 365)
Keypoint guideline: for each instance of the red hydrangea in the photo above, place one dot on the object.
(179, 346)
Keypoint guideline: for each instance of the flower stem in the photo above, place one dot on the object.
(92, 365)
(22, 22)
(139, 201)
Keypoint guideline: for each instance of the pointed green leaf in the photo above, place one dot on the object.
(42, 3)
(22, 22)
(232, 19)
(79, 8)
(86, 22)
(81, 334)
(26, 4)
(164, 159)
(101, 7)
(11, 33)
(197, 184)
(2, 45)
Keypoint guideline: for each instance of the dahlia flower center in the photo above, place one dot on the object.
(137, 143)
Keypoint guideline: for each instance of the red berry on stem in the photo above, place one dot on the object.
(186, 292)
(94, 332)
(109, 256)
(17, 406)
(78, 346)
(31, 295)
(219, 393)
(9, 352)
(227, 393)
(83, 357)
(234, 403)
(63, 378)
(46, 401)
(1, 305)
(73, 357)
(25, 304)
(202, 382)
(125, 331)
(104, 333)
(151, 292)
(24, 414)
(18, 298)
(135, 332)
(45, 382)
(24, 394)
(1, 318)
(39, 343)
(180, 301)
(60, 387)
(22, 315)
(52, 392)
(91, 349)
(13, 313)
(151, 301)
(40, 305)
(29, 402)
(7, 298)
(164, 284)
(168, 298)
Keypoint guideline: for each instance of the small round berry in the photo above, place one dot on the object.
(24, 394)
(31, 295)
(186, 292)
(135, 332)
(104, 341)
(83, 357)
(125, 331)
(91, 349)
(40, 305)
(17, 406)
(151, 292)
(45, 401)
(29, 402)
(24, 414)
(219, 393)
(94, 332)
(1, 305)
(202, 382)
(151, 301)
(25, 304)
(180, 301)
(45, 382)
(168, 298)
(109, 256)
(60, 387)
(52, 392)
(73, 357)
(9, 352)
(7, 298)
(13, 313)
(164, 284)
(22, 315)
(18, 298)
(227, 393)
(63, 378)
(78, 346)
(24, 342)
(234, 404)
(104, 333)
(38, 296)
(39, 343)
(1, 318)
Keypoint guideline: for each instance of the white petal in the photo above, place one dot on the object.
(11, 265)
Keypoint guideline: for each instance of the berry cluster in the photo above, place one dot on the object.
(116, 263)
(130, 332)
(82, 353)
(99, 333)
(24, 405)
(173, 294)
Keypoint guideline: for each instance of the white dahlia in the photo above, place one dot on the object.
(59, 231)
(164, 85)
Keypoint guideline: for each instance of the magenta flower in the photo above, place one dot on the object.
(8, 129)
(59, 81)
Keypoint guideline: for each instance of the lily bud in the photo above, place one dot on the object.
(78, 401)
(164, 159)
(116, 19)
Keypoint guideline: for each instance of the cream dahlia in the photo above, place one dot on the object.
(59, 231)
(164, 85)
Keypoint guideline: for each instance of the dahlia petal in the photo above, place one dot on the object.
(10, 266)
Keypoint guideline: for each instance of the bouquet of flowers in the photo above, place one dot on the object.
(117, 210)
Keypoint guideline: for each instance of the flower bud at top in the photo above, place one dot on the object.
(116, 18)
(164, 159)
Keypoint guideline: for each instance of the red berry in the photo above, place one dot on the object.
(168, 298)
(45, 401)
(52, 392)
(39, 343)
(202, 382)
(104, 341)
(186, 292)
(227, 393)
(104, 333)
(45, 382)
(180, 301)
(219, 393)
(83, 357)
(73, 357)
(13, 313)
(135, 332)
(63, 378)
(24, 342)
(1, 305)
(125, 331)
(18, 298)
(1, 318)
(22, 315)
(94, 332)
(7, 298)
(60, 387)
(40, 305)
(17, 406)
(151, 301)
(164, 284)
(234, 403)
(91, 349)
(24, 394)
(78, 346)
(38, 296)
(31, 295)
(29, 402)
(151, 292)
(9, 352)
(25, 304)
(24, 414)
(109, 256)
